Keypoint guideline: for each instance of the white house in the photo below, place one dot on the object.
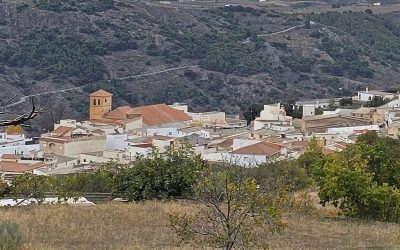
(368, 95)
(258, 153)
(194, 130)
(116, 141)
(16, 144)
(8, 140)
(270, 115)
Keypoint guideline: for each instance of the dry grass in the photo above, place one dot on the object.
(143, 226)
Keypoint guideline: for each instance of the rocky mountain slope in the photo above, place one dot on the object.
(224, 57)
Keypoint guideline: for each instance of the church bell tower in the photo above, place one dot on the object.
(100, 103)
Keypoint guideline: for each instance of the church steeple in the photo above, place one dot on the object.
(100, 103)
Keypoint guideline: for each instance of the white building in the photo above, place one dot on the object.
(351, 130)
(272, 115)
(368, 95)
(180, 106)
(308, 110)
(16, 144)
(248, 153)
(116, 141)
(194, 130)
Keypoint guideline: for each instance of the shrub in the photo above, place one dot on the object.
(10, 236)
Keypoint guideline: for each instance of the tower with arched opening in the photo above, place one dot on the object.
(100, 103)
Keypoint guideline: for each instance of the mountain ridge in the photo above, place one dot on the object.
(239, 57)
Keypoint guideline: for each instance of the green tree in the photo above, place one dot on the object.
(33, 186)
(292, 110)
(319, 111)
(311, 156)
(4, 189)
(332, 104)
(363, 180)
(377, 101)
(346, 102)
(281, 175)
(170, 174)
(252, 112)
(234, 212)
(282, 178)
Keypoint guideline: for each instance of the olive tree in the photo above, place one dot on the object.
(232, 212)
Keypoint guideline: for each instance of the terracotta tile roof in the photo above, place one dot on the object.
(228, 143)
(261, 148)
(10, 156)
(18, 167)
(100, 93)
(107, 121)
(98, 131)
(55, 139)
(300, 144)
(143, 145)
(62, 131)
(119, 113)
(160, 114)
(110, 121)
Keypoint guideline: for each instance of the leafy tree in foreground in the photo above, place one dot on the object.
(280, 176)
(234, 212)
(31, 186)
(363, 180)
(170, 174)
(312, 155)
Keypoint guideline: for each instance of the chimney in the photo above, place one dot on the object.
(366, 90)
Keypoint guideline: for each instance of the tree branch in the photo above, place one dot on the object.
(21, 119)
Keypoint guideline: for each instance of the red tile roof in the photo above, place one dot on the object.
(228, 143)
(18, 167)
(101, 93)
(160, 114)
(119, 113)
(62, 131)
(261, 148)
(143, 145)
(10, 156)
(55, 139)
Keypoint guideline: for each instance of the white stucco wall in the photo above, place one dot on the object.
(350, 130)
(132, 151)
(136, 124)
(74, 149)
(248, 160)
(240, 143)
(171, 132)
(22, 149)
(116, 141)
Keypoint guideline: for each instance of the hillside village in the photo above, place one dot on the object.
(123, 134)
